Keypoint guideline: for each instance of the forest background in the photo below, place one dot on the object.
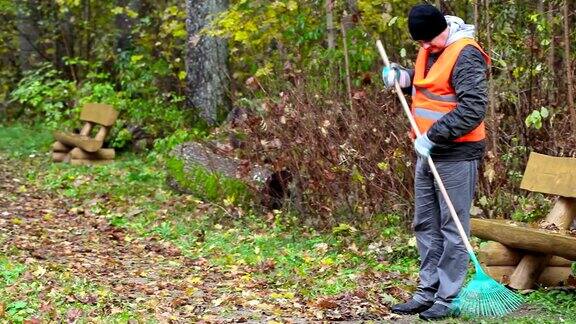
(306, 72)
(293, 85)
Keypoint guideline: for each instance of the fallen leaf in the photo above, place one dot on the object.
(73, 315)
(327, 303)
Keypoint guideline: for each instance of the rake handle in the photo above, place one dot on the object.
(430, 162)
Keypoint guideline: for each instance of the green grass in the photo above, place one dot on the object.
(20, 140)
(297, 253)
(132, 193)
(33, 291)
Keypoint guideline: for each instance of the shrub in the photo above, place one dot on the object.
(346, 162)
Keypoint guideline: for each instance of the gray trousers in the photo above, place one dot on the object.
(443, 256)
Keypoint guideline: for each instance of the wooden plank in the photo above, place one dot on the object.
(89, 162)
(522, 236)
(497, 254)
(86, 143)
(552, 175)
(101, 154)
(59, 147)
(99, 113)
(551, 276)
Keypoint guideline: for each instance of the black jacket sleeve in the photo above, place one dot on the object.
(471, 87)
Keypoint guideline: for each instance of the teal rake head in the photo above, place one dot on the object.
(485, 297)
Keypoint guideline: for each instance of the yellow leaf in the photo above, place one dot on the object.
(327, 261)
(117, 10)
(131, 13)
(292, 5)
(241, 36)
(253, 302)
(264, 71)
(194, 280)
(182, 75)
(136, 58)
(40, 271)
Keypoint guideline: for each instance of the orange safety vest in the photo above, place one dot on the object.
(433, 95)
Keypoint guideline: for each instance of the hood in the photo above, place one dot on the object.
(458, 29)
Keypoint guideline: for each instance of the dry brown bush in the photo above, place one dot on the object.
(345, 162)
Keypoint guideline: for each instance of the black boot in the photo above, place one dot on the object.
(437, 312)
(410, 307)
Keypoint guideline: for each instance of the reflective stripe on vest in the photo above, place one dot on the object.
(428, 113)
(433, 95)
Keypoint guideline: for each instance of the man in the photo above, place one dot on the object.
(449, 103)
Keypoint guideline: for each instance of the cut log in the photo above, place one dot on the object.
(562, 214)
(497, 254)
(528, 270)
(59, 147)
(550, 276)
(60, 157)
(84, 142)
(530, 267)
(89, 162)
(523, 236)
(101, 154)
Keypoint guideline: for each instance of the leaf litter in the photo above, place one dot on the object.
(151, 277)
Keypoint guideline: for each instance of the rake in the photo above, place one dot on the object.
(482, 296)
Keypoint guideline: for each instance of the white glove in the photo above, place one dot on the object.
(396, 73)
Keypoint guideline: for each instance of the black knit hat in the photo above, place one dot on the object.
(425, 22)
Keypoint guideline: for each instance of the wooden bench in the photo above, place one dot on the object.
(84, 148)
(542, 253)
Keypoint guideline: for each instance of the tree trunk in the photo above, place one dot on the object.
(491, 96)
(476, 18)
(551, 69)
(125, 24)
(65, 46)
(352, 6)
(206, 61)
(29, 33)
(568, 63)
(87, 13)
(330, 23)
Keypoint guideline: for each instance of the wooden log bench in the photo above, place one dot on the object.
(500, 262)
(84, 148)
(535, 253)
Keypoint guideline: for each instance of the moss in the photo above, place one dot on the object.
(208, 185)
